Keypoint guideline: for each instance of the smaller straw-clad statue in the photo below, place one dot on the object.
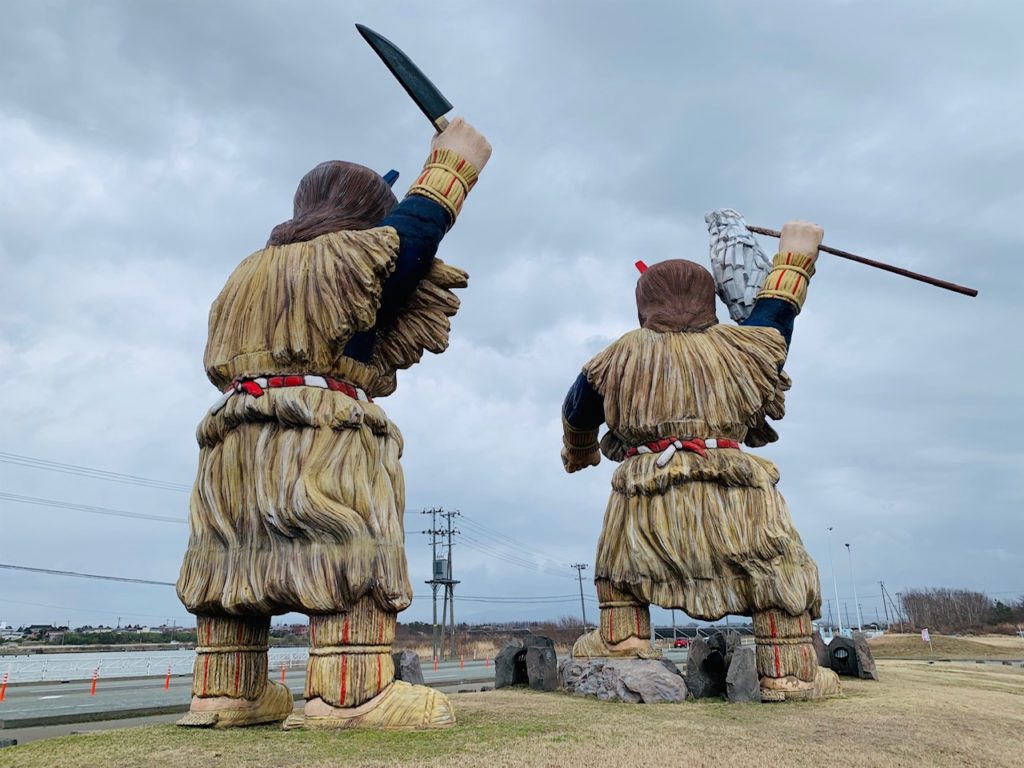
(695, 522)
(299, 495)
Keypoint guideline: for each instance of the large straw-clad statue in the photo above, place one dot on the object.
(694, 522)
(299, 496)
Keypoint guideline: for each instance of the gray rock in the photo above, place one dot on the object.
(407, 667)
(852, 657)
(842, 656)
(820, 650)
(538, 641)
(513, 665)
(741, 681)
(637, 681)
(705, 670)
(724, 642)
(670, 665)
(865, 659)
(542, 668)
(505, 665)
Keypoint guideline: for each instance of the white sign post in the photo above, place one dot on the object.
(927, 638)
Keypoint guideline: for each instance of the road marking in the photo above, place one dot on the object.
(56, 696)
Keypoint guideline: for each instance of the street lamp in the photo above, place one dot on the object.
(835, 584)
(860, 622)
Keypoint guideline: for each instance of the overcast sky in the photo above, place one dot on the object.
(146, 148)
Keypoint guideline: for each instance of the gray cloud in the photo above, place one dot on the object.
(149, 147)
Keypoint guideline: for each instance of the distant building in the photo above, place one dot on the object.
(37, 631)
(283, 630)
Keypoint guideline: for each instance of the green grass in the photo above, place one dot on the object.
(917, 714)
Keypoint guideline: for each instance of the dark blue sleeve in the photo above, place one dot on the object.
(773, 313)
(420, 224)
(583, 407)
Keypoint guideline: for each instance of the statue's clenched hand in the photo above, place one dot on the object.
(467, 141)
(801, 237)
(574, 461)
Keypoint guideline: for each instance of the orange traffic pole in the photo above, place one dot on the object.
(462, 662)
(282, 673)
(487, 662)
(3, 686)
(167, 680)
(435, 663)
(95, 674)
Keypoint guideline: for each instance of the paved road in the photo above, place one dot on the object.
(29, 711)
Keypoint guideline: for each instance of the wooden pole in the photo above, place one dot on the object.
(879, 265)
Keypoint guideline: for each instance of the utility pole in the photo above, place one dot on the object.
(897, 615)
(835, 584)
(442, 577)
(860, 622)
(580, 568)
(449, 593)
(434, 576)
(885, 606)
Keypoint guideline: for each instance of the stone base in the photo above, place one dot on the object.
(407, 667)
(742, 684)
(705, 669)
(637, 681)
(821, 650)
(531, 661)
(852, 657)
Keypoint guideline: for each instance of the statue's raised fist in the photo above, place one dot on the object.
(463, 138)
(801, 237)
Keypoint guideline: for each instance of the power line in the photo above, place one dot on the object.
(79, 609)
(87, 508)
(513, 543)
(470, 598)
(492, 551)
(91, 472)
(78, 575)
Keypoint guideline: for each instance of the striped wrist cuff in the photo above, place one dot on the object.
(791, 272)
(446, 179)
(578, 441)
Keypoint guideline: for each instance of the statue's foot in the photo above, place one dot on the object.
(826, 684)
(591, 646)
(790, 688)
(399, 706)
(274, 705)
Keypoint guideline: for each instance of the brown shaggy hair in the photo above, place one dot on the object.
(335, 196)
(676, 295)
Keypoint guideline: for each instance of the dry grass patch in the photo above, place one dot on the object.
(946, 647)
(918, 714)
(1011, 642)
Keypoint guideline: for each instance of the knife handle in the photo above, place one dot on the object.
(440, 124)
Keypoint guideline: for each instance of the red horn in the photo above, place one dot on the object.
(641, 267)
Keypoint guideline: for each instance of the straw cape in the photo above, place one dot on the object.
(298, 499)
(711, 534)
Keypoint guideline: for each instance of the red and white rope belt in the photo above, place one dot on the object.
(255, 385)
(669, 445)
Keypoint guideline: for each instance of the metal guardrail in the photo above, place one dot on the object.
(43, 668)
